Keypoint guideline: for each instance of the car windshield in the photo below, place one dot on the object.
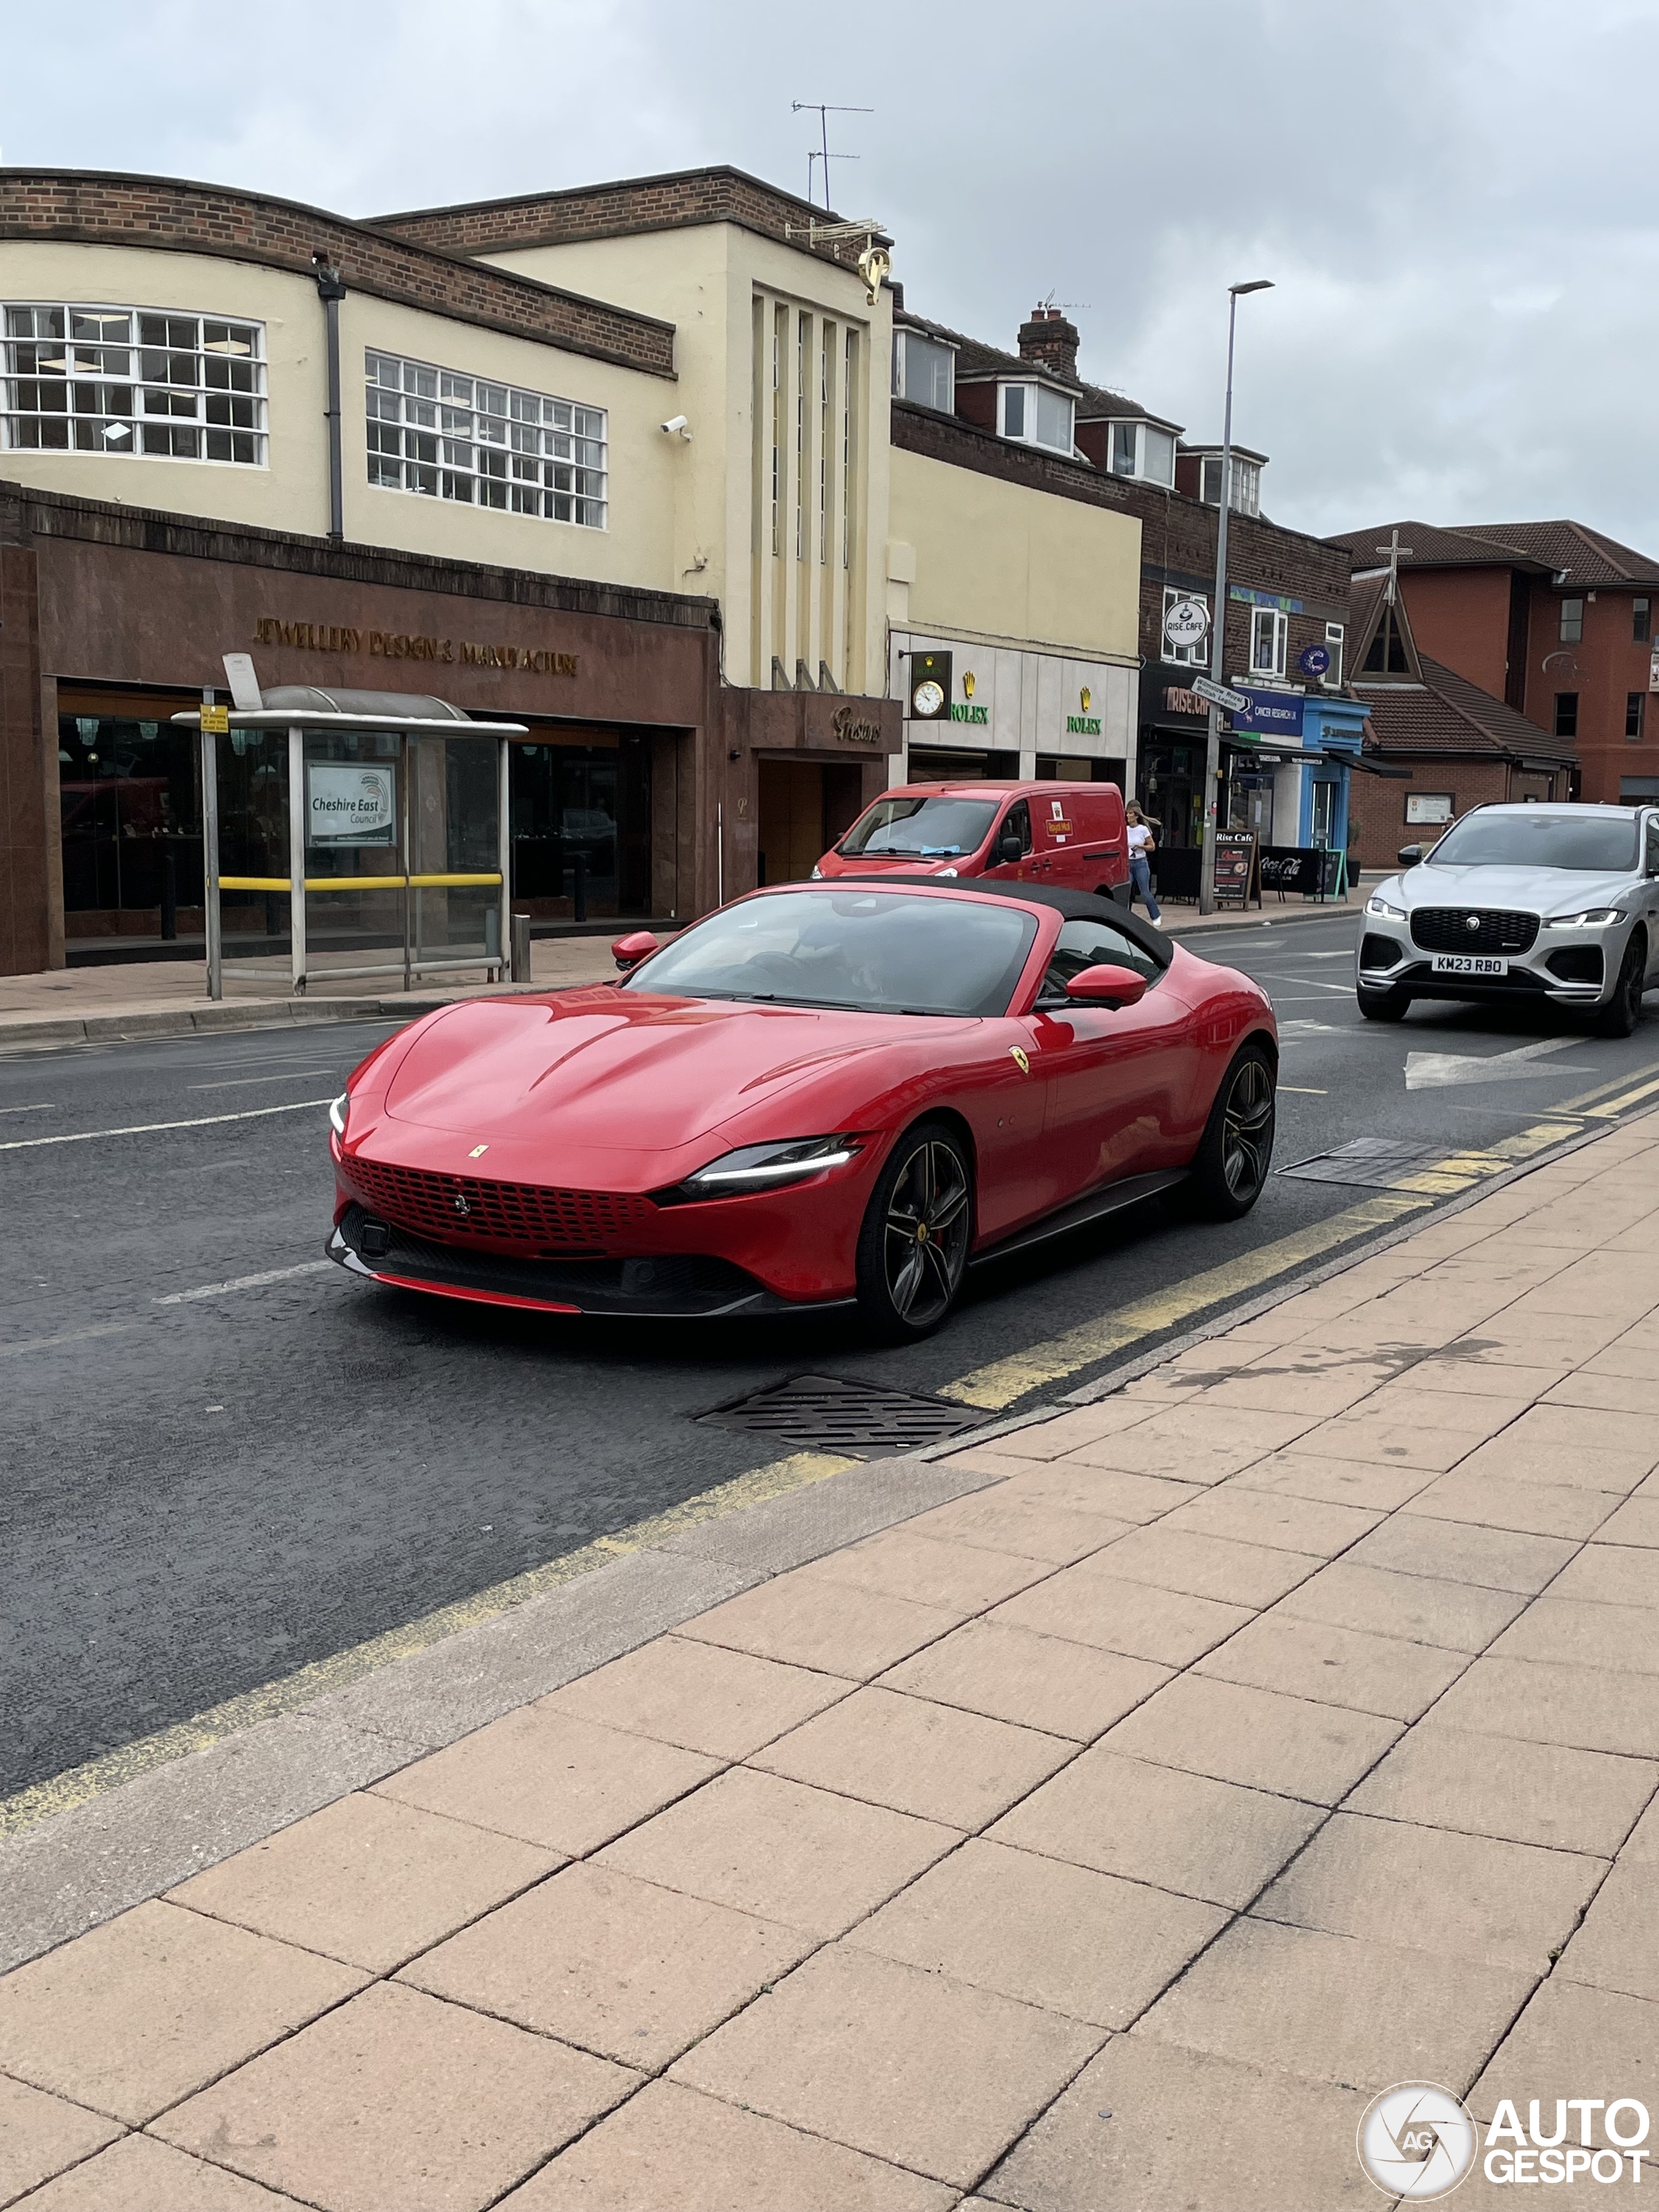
(1587, 839)
(921, 827)
(883, 952)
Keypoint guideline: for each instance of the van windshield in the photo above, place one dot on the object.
(921, 827)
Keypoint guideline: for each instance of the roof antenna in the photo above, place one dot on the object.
(823, 110)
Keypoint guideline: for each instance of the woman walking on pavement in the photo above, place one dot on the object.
(1142, 845)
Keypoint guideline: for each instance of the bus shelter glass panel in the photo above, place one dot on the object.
(355, 805)
(255, 924)
(455, 846)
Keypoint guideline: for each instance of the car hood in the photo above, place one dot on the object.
(1531, 891)
(626, 1071)
(899, 864)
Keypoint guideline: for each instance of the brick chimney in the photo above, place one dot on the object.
(1050, 341)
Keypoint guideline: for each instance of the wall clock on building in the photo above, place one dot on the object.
(930, 686)
(927, 698)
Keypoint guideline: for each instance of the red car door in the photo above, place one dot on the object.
(1116, 1080)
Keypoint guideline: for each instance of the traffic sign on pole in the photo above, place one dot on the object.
(1218, 694)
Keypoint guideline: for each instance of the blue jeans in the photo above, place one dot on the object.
(1141, 880)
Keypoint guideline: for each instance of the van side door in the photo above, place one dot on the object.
(1016, 823)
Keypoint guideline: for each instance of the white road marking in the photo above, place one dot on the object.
(242, 1283)
(1430, 1071)
(236, 1082)
(69, 1336)
(46, 1108)
(145, 1128)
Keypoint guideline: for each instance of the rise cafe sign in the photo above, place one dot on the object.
(402, 645)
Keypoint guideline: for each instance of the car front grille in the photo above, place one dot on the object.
(528, 1214)
(1446, 929)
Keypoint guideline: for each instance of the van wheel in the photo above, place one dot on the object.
(1229, 1168)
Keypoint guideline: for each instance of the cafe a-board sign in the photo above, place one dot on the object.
(1237, 880)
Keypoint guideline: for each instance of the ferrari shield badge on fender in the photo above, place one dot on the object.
(1019, 1060)
(478, 1151)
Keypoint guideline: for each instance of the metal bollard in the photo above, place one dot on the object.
(521, 948)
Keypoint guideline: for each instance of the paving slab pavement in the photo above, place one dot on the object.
(1091, 1818)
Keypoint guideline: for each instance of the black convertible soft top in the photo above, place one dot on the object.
(1075, 906)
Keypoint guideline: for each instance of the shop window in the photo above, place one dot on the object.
(1566, 714)
(129, 786)
(584, 807)
(924, 371)
(1269, 633)
(1641, 621)
(1035, 414)
(434, 431)
(1572, 621)
(122, 380)
(1635, 705)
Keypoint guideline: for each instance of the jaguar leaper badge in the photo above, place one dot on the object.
(1019, 1060)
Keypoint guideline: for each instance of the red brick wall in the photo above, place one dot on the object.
(1460, 617)
(1603, 668)
(108, 210)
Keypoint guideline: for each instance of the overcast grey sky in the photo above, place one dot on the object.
(1456, 198)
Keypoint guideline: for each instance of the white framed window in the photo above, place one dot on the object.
(1269, 633)
(449, 436)
(924, 371)
(1335, 638)
(1195, 655)
(1145, 450)
(1036, 415)
(90, 379)
(1246, 495)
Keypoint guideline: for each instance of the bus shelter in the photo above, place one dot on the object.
(352, 834)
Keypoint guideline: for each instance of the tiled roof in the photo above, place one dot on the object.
(1589, 556)
(1446, 713)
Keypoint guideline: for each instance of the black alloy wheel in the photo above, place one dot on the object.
(1619, 1018)
(1230, 1168)
(912, 1247)
(1384, 1005)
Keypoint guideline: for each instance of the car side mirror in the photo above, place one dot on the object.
(1115, 987)
(1410, 856)
(628, 952)
(1009, 848)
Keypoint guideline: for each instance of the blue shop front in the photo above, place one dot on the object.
(1286, 764)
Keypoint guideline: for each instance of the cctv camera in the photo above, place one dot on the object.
(676, 427)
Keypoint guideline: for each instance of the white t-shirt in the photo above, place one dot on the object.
(1139, 837)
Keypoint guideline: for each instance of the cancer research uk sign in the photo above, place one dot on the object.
(1271, 714)
(350, 806)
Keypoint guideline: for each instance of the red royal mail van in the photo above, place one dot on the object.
(1068, 835)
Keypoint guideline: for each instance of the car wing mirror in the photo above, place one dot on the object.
(628, 952)
(1410, 856)
(1010, 848)
(1106, 986)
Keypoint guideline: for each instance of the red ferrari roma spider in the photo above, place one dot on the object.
(824, 1093)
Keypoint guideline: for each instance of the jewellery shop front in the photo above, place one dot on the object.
(113, 621)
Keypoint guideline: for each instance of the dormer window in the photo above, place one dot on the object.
(1145, 450)
(1246, 496)
(924, 371)
(1036, 415)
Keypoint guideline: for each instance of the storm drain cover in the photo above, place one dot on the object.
(819, 1409)
(1373, 1163)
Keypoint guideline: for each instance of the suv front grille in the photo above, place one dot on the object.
(1446, 929)
(448, 1207)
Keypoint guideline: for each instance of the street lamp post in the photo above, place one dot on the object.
(1219, 625)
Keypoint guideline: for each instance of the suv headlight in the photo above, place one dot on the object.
(1592, 917)
(761, 1167)
(1376, 904)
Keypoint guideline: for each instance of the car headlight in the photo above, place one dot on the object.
(338, 1112)
(1592, 917)
(761, 1167)
(1376, 904)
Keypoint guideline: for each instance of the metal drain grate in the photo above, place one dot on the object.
(817, 1409)
(1373, 1163)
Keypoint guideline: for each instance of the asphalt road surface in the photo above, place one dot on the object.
(224, 1459)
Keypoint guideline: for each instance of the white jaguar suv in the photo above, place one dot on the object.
(1556, 903)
